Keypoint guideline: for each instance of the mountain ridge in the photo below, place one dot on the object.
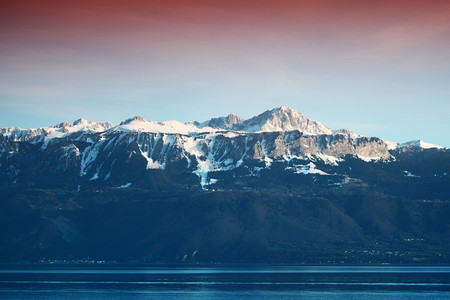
(93, 150)
(275, 120)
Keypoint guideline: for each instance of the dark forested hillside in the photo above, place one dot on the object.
(274, 217)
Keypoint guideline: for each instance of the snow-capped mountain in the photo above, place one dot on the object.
(277, 119)
(63, 129)
(98, 151)
(282, 119)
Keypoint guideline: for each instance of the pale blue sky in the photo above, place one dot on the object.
(380, 74)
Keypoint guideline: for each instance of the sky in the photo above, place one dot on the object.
(380, 68)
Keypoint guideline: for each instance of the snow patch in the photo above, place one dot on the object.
(88, 157)
(230, 134)
(369, 158)
(125, 186)
(391, 145)
(95, 177)
(409, 174)
(204, 167)
(307, 169)
(331, 160)
(268, 161)
(151, 164)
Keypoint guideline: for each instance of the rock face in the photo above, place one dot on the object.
(225, 123)
(274, 188)
(282, 119)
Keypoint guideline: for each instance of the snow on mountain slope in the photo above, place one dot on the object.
(391, 145)
(292, 134)
(45, 133)
(97, 151)
(172, 127)
(420, 144)
(415, 143)
(85, 125)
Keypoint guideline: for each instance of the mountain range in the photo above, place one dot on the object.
(278, 187)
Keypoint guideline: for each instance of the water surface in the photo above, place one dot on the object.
(224, 282)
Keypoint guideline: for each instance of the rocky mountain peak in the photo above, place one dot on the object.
(81, 121)
(62, 125)
(233, 119)
(134, 119)
(346, 132)
(282, 119)
(222, 122)
(85, 125)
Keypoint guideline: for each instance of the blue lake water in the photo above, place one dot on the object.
(224, 282)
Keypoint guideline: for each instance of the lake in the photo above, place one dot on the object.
(223, 282)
